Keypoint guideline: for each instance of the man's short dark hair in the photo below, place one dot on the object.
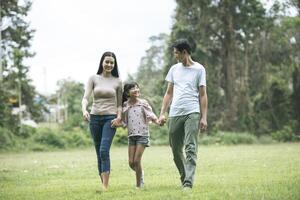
(182, 44)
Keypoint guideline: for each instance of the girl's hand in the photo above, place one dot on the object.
(116, 122)
(156, 121)
(86, 116)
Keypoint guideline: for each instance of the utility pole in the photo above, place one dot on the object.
(1, 68)
(20, 101)
(45, 80)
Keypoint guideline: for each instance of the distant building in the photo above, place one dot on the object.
(57, 113)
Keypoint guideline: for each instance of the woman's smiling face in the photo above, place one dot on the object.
(108, 64)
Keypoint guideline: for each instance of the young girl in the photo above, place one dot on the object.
(137, 113)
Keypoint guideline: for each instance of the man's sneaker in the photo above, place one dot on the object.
(186, 188)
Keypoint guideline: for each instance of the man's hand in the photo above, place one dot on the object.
(203, 124)
(162, 120)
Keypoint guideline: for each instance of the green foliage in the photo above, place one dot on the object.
(276, 99)
(77, 138)
(150, 72)
(60, 139)
(159, 135)
(6, 139)
(251, 56)
(70, 93)
(227, 138)
(15, 84)
(50, 137)
(74, 120)
(26, 131)
(285, 135)
(121, 137)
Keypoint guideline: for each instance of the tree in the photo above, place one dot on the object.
(16, 86)
(69, 94)
(150, 72)
(223, 32)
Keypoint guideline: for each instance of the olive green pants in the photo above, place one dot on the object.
(183, 133)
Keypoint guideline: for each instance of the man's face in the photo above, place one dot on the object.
(178, 55)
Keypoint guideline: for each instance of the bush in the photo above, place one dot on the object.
(50, 137)
(26, 131)
(6, 139)
(228, 138)
(265, 139)
(285, 135)
(38, 147)
(209, 140)
(121, 137)
(237, 138)
(159, 135)
(76, 138)
(74, 120)
(57, 138)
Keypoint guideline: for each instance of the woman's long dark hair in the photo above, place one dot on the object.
(115, 71)
(127, 87)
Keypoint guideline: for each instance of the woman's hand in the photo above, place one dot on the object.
(116, 122)
(86, 116)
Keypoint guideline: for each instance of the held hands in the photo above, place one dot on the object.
(156, 121)
(86, 116)
(161, 120)
(117, 122)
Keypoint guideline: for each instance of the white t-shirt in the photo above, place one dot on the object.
(186, 82)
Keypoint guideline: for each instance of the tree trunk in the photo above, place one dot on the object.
(230, 73)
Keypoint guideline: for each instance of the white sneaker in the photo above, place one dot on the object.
(142, 181)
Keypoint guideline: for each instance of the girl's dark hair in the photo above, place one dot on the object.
(127, 87)
(115, 71)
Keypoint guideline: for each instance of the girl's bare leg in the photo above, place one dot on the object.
(131, 153)
(137, 163)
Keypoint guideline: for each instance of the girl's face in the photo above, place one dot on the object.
(134, 92)
(108, 64)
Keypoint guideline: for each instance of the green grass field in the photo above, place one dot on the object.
(224, 172)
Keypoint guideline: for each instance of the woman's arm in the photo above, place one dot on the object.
(85, 99)
(117, 121)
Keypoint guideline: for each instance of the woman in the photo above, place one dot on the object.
(106, 111)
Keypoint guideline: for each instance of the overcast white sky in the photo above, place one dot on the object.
(71, 36)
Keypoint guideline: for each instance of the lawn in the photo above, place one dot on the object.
(223, 172)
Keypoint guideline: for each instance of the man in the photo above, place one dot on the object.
(187, 91)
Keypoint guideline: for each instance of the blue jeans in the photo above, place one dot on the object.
(103, 134)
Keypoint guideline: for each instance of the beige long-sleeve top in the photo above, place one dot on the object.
(107, 95)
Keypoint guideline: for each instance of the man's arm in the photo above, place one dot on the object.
(166, 102)
(203, 105)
